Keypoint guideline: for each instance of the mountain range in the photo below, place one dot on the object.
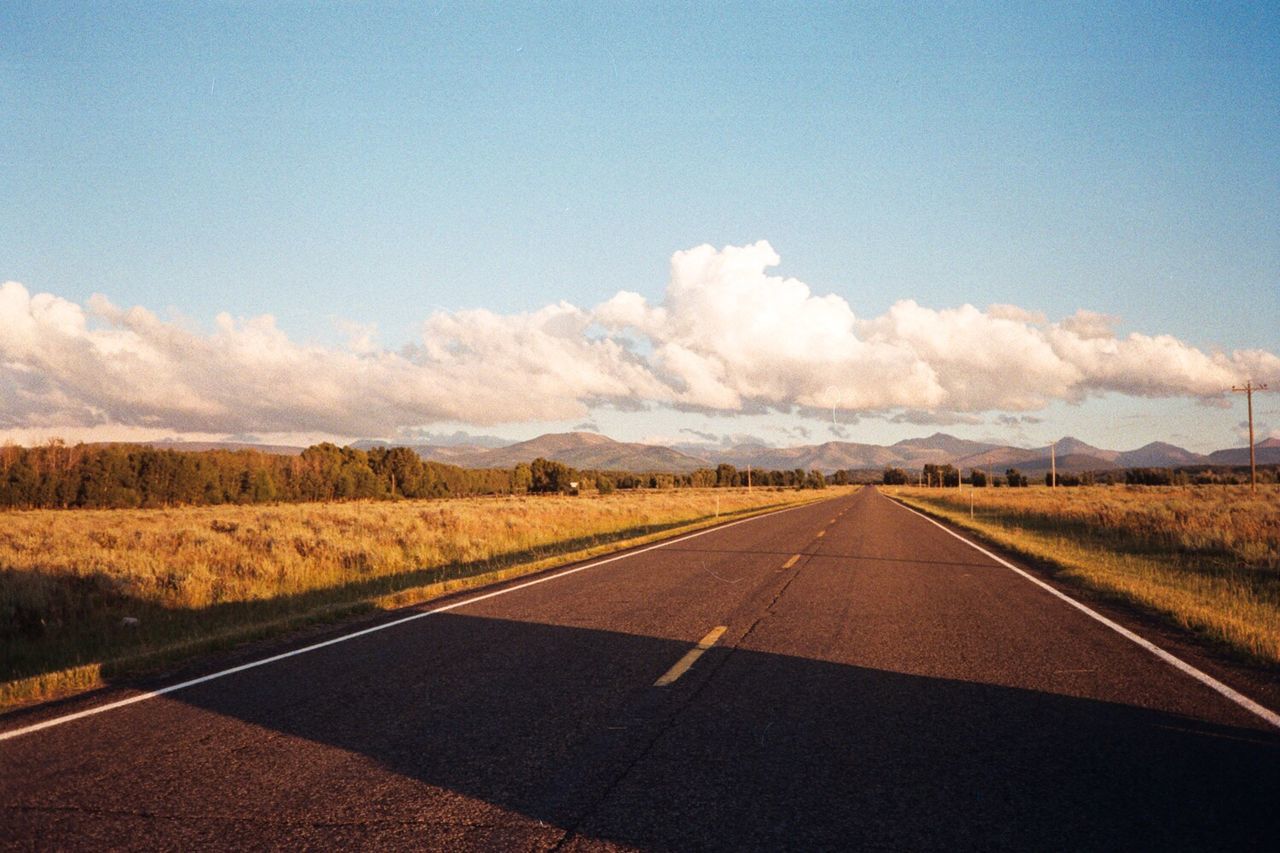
(589, 450)
(592, 450)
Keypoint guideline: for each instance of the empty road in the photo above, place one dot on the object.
(841, 675)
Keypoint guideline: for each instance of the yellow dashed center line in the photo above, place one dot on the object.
(821, 533)
(691, 656)
(791, 562)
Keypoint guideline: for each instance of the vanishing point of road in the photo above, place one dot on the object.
(842, 675)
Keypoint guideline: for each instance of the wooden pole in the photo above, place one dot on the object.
(1248, 390)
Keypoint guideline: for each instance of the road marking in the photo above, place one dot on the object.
(791, 562)
(821, 533)
(1176, 662)
(173, 688)
(691, 656)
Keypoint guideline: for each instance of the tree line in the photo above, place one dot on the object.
(943, 476)
(112, 476)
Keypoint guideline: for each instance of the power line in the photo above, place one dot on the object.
(1248, 388)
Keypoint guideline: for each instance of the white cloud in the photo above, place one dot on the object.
(727, 336)
(934, 418)
(361, 337)
(56, 370)
(1090, 325)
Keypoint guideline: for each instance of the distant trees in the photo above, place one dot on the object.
(548, 476)
(702, 478)
(1015, 478)
(125, 475)
(1082, 478)
(117, 475)
(978, 478)
(895, 477)
(941, 475)
(1155, 477)
(401, 470)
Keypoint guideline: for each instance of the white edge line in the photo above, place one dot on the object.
(173, 688)
(1178, 663)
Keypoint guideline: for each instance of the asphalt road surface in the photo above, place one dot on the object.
(877, 684)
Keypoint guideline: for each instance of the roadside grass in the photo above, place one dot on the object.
(87, 596)
(1206, 558)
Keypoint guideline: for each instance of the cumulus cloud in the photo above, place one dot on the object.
(361, 337)
(1018, 420)
(129, 368)
(919, 418)
(1262, 430)
(727, 336)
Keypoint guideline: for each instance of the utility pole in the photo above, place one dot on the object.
(1053, 464)
(748, 476)
(1248, 390)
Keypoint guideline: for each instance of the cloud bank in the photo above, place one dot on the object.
(727, 337)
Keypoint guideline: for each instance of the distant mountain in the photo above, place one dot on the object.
(592, 450)
(576, 449)
(1070, 463)
(431, 439)
(1069, 446)
(831, 456)
(948, 444)
(454, 454)
(1029, 459)
(198, 446)
(1000, 458)
(1158, 454)
(461, 455)
(941, 449)
(1267, 452)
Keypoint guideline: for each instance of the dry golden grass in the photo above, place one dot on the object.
(1206, 557)
(71, 581)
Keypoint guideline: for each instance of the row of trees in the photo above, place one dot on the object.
(943, 476)
(118, 475)
(948, 476)
(121, 475)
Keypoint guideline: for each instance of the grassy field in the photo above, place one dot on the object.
(89, 594)
(1205, 557)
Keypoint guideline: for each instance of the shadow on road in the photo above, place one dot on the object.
(749, 750)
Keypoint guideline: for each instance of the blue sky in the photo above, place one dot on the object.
(346, 166)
